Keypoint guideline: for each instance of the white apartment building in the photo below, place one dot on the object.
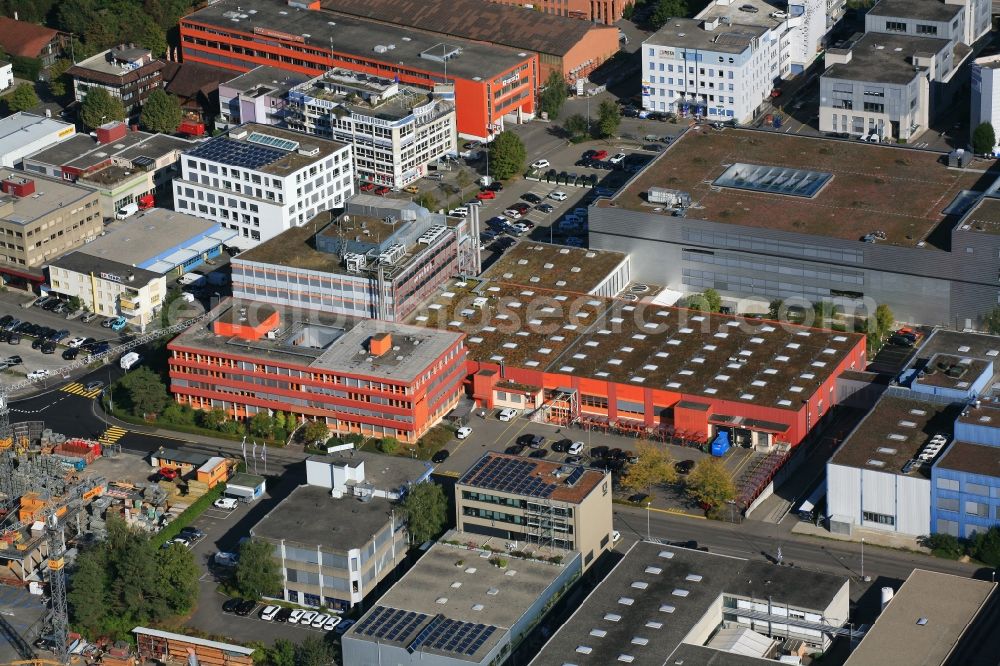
(986, 93)
(259, 180)
(396, 130)
(724, 63)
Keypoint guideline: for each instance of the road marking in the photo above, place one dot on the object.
(112, 435)
(678, 512)
(450, 473)
(76, 388)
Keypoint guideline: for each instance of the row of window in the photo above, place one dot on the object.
(970, 488)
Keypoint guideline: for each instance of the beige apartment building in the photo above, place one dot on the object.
(41, 219)
(532, 501)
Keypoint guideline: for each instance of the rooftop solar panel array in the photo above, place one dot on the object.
(391, 624)
(237, 153)
(450, 635)
(574, 476)
(510, 475)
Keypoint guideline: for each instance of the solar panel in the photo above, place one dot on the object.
(450, 635)
(237, 153)
(574, 476)
(391, 624)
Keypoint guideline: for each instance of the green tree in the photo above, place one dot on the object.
(884, 319)
(554, 95)
(629, 11)
(282, 653)
(58, 79)
(985, 546)
(576, 125)
(991, 322)
(666, 10)
(100, 107)
(315, 431)
(144, 390)
(427, 200)
(426, 510)
(87, 596)
(314, 651)
(213, 418)
(984, 139)
(178, 413)
(696, 302)
(655, 467)
(261, 425)
(507, 155)
(774, 309)
(388, 445)
(23, 98)
(713, 300)
(179, 577)
(943, 545)
(257, 573)
(161, 112)
(709, 483)
(280, 423)
(609, 118)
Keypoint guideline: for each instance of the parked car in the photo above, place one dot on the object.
(226, 503)
(544, 208)
(283, 614)
(118, 324)
(599, 155)
(684, 466)
(320, 620)
(617, 158)
(344, 626)
(168, 473)
(530, 197)
(295, 616)
(496, 186)
(638, 498)
(461, 211)
(558, 195)
(14, 339)
(538, 453)
(507, 414)
(14, 360)
(900, 341)
(514, 450)
(230, 605)
(70, 354)
(486, 194)
(382, 190)
(599, 452)
(49, 347)
(561, 446)
(89, 317)
(246, 607)
(575, 448)
(224, 559)
(367, 187)
(75, 342)
(463, 432)
(512, 213)
(540, 164)
(331, 622)
(440, 456)
(307, 618)
(574, 460)
(192, 533)
(38, 374)
(269, 613)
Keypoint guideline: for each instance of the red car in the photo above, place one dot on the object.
(776, 93)
(367, 187)
(168, 473)
(600, 155)
(381, 190)
(486, 194)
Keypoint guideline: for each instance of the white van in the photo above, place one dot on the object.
(507, 414)
(575, 448)
(127, 211)
(129, 360)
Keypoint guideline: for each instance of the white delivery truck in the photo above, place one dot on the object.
(129, 360)
(127, 211)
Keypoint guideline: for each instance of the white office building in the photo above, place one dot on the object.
(985, 107)
(724, 63)
(396, 130)
(259, 180)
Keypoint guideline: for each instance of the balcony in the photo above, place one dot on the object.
(129, 305)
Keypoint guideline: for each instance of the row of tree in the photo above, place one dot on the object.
(609, 118)
(708, 484)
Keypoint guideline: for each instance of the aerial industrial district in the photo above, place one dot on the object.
(576, 333)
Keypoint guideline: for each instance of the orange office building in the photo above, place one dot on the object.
(599, 11)
(363, 376)
(493, 85)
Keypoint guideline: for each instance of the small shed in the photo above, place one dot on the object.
(245, 487)
(164, 646)
(215, 471)
(959, 158)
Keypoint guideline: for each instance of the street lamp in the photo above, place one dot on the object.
(863, 576)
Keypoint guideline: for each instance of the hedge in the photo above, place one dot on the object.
(189, 515)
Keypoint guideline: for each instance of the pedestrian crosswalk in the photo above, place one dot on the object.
(77, 388)
(112, 435)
